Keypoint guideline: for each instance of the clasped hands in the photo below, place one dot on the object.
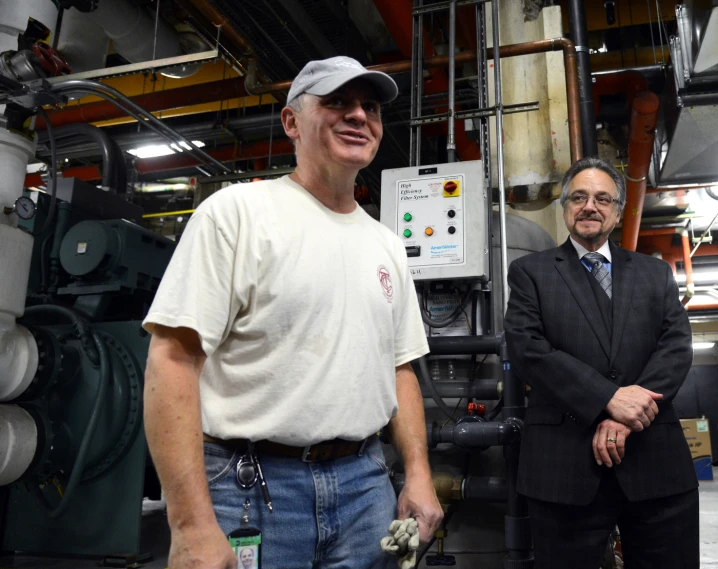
(632, 409)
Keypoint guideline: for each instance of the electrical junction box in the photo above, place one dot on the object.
(439, 212)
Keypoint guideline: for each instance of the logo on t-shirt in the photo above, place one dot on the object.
(385, 281)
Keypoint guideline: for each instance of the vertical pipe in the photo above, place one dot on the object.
(579, 33)
(413, 136)
(688, 267)
(500, 154)
(420, 79)
(642, 133)
(451, 140)
(517, 529)
(485, 146)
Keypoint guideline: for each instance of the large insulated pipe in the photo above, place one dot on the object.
(18, 350)
(14, 16)
(640, 150)
(132, 30)
(579, 34)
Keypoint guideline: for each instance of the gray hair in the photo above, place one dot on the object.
(297, 104)
(593, 162)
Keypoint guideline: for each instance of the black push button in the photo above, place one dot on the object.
(413, 251)
(452, 230)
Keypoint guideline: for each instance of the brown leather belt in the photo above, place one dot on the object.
(320, 452)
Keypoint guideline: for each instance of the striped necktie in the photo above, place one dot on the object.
(599, 271)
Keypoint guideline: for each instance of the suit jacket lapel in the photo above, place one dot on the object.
(623, 273)
(573, 272)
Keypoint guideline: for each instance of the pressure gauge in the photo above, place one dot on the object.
(25, 208)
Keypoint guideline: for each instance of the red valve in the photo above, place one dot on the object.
(51, 60)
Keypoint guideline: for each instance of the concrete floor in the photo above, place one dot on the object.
(709, 521)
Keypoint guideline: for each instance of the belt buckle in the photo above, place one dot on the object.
(305, 454)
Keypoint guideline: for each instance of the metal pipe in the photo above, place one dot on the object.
(639, 69)
(640, 150)
(413, 135)
(688, 267)
(484, 389)
(114, 96)
(514, 50)
(103, 141)
(579, 33)
(458, 345)
(158, 101)
(498, 105)
(451, 140)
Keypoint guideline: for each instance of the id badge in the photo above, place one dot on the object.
(247, 545)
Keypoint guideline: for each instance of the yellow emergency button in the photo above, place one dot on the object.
(429, 231)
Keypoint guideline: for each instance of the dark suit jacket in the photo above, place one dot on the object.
(558, 345)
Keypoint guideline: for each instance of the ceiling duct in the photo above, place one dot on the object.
(687, 142)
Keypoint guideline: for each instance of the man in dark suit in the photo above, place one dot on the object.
(600, 336)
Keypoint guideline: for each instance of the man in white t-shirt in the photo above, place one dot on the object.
(288, 318)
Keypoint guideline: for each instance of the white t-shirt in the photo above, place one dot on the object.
(303, 314)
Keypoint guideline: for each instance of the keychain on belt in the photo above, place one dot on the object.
(246, 542)
(249, 472)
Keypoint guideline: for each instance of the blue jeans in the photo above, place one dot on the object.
(329, 515)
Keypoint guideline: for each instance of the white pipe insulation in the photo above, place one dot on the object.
(18, 349)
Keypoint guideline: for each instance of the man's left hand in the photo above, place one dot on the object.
(609, 442)
(418, 500)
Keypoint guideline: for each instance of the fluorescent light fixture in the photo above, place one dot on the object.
(155, 150)
(703, 345)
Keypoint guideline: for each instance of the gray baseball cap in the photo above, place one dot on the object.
(325, 76)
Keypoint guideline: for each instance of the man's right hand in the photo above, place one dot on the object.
(201, 548)
(634, 406)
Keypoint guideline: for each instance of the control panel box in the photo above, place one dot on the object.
(439, 212)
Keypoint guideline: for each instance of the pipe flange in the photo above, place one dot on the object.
(49, 364)
(133, 421)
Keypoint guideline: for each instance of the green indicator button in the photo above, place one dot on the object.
(407, 217)
(407, 232)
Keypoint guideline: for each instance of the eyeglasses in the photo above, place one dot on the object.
(601, 200)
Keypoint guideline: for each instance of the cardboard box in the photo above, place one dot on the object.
(698, 436)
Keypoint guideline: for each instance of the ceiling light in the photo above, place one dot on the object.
(155, 150)
(703, 345)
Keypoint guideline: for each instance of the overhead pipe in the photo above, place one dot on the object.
(579, 33)
(640, 150)
(158, 101)
(105, 143)
(253, 87)
(687, 267)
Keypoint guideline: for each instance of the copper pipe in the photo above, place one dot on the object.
(513, 50)
(640, 149)
(702, 307)
(687, 267)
